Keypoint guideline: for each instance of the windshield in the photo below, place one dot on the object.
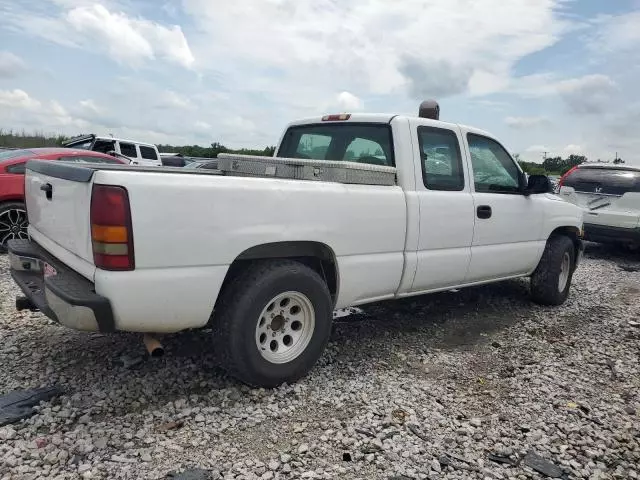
(10, 154)
(368, 143)
(608, 181)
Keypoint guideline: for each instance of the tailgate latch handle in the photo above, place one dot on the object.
(47, 188)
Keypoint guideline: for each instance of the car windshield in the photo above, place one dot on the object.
(11, 154)
(608, 181)
(368, 143)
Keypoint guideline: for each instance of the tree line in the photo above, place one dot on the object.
(556, 165)
(22, 139)
(213, 150)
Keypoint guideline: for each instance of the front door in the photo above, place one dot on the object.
(508, 225)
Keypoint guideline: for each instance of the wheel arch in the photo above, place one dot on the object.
(315, 255)
(574, 233)
(12, 199)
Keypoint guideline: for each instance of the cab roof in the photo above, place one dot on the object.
(384, 118)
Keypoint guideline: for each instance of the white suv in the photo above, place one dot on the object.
(610, 197)
(139, 153)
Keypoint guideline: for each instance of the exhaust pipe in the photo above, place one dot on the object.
(23, 303)
(153, 345)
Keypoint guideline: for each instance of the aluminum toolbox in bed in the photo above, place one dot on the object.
(303, 169)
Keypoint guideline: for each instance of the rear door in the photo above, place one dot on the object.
(508, 225)
(149, 155)
(609, 196)
(445, 207)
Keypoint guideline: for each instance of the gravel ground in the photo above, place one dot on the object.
(423, 388)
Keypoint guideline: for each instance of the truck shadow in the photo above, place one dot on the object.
(460, 320)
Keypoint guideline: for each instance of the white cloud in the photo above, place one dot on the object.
(171, 100)
(430, 48)
(202, 126)
(526, 122)
(573, 149)
(537, 149)
(615, 34)
(591, 94)
(349, 102)
(89, 105)
(126, 39)
(24, 111)
(18, 99)
(11, 65)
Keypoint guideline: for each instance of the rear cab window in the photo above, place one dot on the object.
(605, 181)
(367, 143)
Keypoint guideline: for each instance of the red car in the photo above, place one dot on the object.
(13, 215)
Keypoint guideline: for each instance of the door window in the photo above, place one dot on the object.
(441, 160)
(148, 153)
(494, 171)
(128, 149)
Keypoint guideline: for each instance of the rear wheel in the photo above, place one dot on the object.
(551, 281)
(272, 323)
(13, 223)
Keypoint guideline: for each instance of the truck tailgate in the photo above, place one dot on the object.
(58, 208)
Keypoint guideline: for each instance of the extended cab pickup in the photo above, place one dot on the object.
(265, 261)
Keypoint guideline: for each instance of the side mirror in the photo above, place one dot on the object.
(538, 184)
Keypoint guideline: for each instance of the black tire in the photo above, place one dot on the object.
(239, 310)
(545, 281)
(4, 208)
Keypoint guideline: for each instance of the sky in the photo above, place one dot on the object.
(547, 77)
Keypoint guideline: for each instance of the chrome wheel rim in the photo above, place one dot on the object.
(285, 327)
(565, 268)
(13, 225)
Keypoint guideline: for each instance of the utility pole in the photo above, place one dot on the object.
(544, 155)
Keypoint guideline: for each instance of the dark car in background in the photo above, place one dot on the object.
(13, 214)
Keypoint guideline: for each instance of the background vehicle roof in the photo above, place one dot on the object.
(610, 166)
(22, 153)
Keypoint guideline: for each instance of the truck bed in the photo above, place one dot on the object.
(189, 226)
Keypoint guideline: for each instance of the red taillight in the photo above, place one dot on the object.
(111, 232)
(336, 118)
(564, 177)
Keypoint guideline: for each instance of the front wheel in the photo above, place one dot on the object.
(551, 280)
(272, 323)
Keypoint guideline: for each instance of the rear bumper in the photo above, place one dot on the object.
(62, 295)
(608, 234)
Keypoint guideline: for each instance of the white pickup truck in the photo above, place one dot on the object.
(266, 260)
